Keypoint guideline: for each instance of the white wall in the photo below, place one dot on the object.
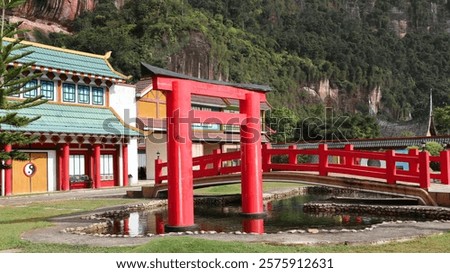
(133, 161)
(122, 98)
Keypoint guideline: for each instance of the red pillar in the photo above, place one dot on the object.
(125, 164)
(349, 160)
(251, 166)
(391, 169)
(445, 167)
(293, 157)
(8, 172)
(414, 166)
(323, 159)
(424, 168)
(97, 177)
(65, 175)
(179, 163)
(266, 157)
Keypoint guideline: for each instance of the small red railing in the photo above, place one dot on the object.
(325, 161)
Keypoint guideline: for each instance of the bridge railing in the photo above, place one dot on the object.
(204, 166)
(325, 161)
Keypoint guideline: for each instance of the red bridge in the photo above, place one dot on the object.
(333, 167)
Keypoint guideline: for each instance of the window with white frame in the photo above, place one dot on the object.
(69, 92)
(33, 86)
(48, 89)
(84, 94)
(77, 165)
(107, 167)
(98, 96)
(43, 87)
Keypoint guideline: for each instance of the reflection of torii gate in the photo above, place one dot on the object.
(180, 116)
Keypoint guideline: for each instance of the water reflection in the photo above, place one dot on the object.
(281, 215)
(253, 225)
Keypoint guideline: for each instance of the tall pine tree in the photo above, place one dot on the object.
(13, 82)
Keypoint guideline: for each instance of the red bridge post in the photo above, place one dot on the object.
(348, 159)
(445, 167)
(266, 157)
(251, 163)
(414, 166)
(293, 157)
(424, 168)
(323, 159)
(391, 170)
(179, 163)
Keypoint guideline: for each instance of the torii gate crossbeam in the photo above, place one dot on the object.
(179, 89)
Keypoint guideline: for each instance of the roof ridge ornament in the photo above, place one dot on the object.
(108, 55)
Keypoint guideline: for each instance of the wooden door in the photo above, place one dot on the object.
(30, 176)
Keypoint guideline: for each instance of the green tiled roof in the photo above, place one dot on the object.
(60, 118)
(71, 60)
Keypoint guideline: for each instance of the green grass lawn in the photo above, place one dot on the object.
(236, 188)
(14, 220)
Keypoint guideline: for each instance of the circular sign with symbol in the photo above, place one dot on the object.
(29, 169)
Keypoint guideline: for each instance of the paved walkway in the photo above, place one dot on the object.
(73, 194)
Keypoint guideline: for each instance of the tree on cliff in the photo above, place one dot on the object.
(442, 119)
(13, 83)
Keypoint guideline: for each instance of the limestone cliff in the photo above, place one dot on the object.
(55, 10)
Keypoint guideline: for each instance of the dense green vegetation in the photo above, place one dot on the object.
(442, 119)
(13, 83)
(289, 45)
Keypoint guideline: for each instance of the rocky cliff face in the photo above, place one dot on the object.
(55, 10)
(52, 15)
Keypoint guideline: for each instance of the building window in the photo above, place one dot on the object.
(76, 165)
(98, 96)
(30, 85)
(106, 167)
(69, 92)
(84, 94)
(48, 89)
(15, 95)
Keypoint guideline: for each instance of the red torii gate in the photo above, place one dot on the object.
(180, 116)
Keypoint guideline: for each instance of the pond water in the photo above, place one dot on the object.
(282, 215)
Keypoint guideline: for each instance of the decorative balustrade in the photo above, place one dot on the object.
(326, 162)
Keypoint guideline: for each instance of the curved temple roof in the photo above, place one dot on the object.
(157, 71)
(68, 60)
(72, 119)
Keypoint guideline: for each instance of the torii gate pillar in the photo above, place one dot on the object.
(179, 154)
(251, 162)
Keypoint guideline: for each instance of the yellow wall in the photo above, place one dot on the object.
(152, 105)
